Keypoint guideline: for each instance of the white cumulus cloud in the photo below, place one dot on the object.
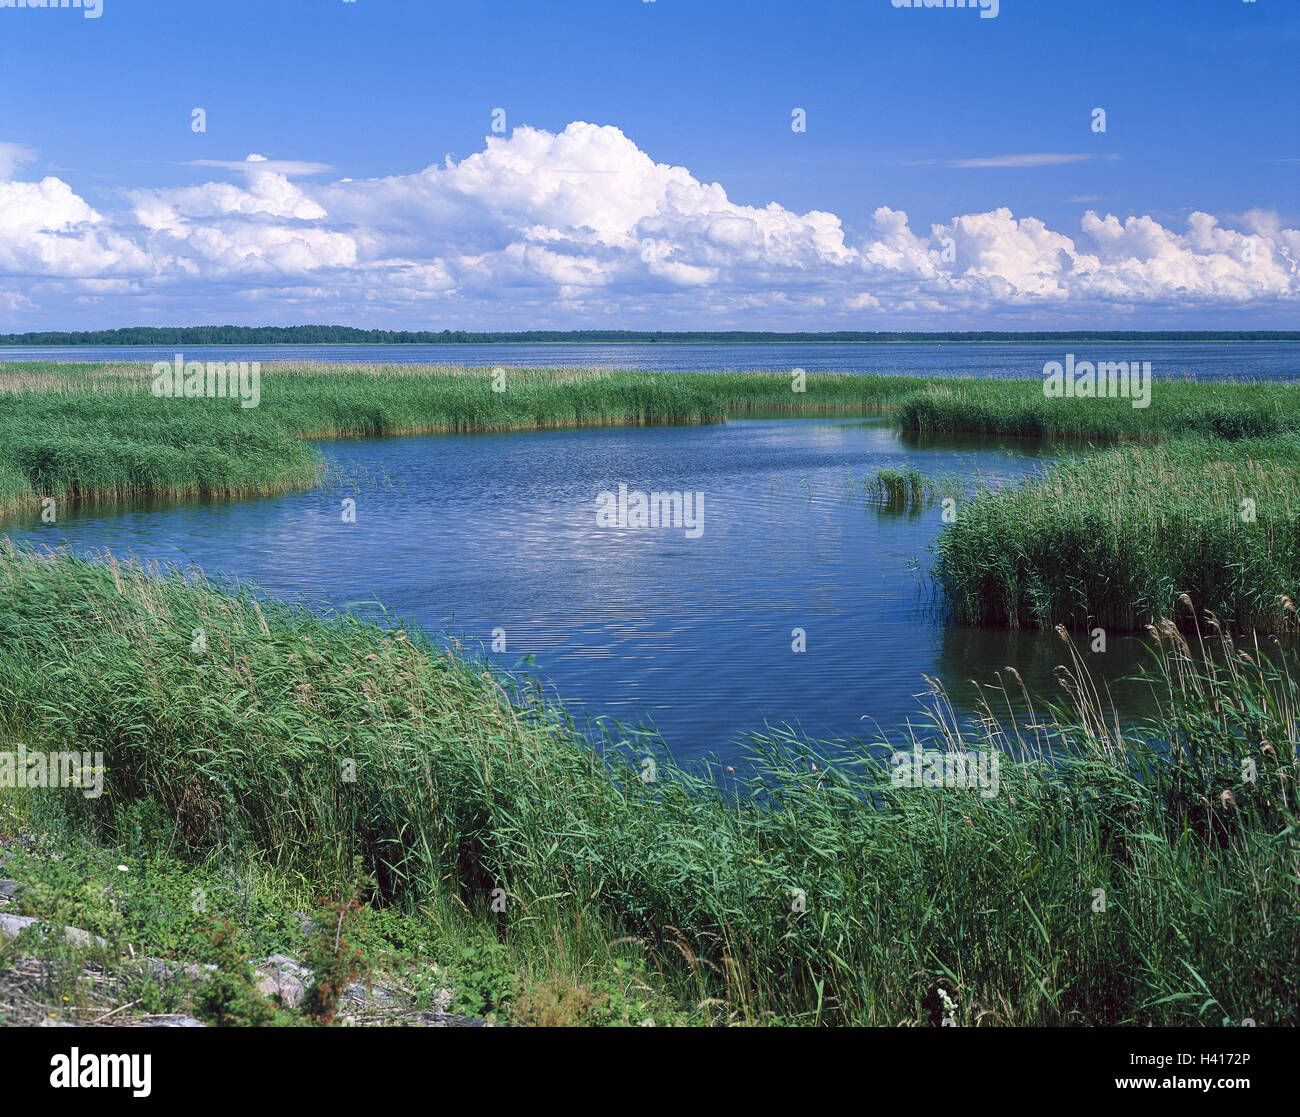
(563, 228)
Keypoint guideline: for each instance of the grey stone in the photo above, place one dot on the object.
(280, 976)
(11, 926)
(172, 1021)
(162, 967)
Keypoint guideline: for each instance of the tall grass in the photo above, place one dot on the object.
(1178, 407)
(907, 489)
(1115, 538)
(96, 432)
(91, 431)
(242, 740)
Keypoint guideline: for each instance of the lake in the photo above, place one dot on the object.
(1200, 360)
(473, 535)
(497, 533)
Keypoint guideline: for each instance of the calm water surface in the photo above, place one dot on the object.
(1200, 360)
(467, 534)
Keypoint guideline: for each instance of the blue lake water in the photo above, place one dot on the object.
(468, 534)
(1200, 360)
(476, 534)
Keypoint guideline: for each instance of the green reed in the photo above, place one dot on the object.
(1115, 538)
(805, 888)
(1177, 407)
(97, 432)
(94, 431)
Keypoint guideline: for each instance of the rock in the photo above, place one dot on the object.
(19, 841)
(174, 1020)
(451, 1020)
(11, 926)
(372, 1004)
(162, 967)
(280, 976)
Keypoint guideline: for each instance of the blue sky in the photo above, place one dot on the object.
(1202, 101)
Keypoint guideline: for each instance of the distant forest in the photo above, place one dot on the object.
(347, 335)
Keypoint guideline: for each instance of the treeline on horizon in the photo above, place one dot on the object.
(348, 335)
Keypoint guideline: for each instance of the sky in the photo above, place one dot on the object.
(651, 165)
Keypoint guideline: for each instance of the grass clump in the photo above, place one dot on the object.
(905, 486)
(907, 489)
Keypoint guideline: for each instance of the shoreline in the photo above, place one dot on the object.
(477, 835)
(61, 439)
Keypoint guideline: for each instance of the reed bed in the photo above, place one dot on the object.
(1018, 408)
(95, 431)
(1117, 537)
(1112, 539)
(807, 889)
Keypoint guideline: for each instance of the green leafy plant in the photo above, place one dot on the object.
(482, 978)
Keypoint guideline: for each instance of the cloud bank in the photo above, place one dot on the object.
(584, 228)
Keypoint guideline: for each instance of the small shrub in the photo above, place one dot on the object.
(230, 997)
(335, 962)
